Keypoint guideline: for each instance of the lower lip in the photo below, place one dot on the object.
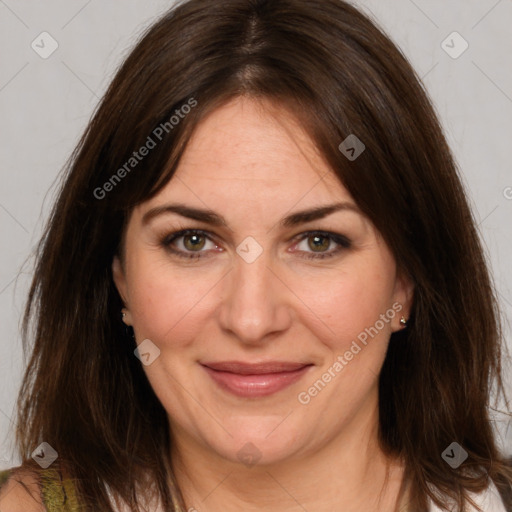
(255, 386)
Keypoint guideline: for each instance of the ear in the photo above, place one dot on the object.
(403, 294)
(120, 279)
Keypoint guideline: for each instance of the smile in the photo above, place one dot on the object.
(255, 380)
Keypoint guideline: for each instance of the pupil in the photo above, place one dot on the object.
(194, 242)
(317, 242)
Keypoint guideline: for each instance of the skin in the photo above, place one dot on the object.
(251, 163)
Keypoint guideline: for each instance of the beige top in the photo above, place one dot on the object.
(58, 496)
(488, 501)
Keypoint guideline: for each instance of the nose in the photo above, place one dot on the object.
(256, 303)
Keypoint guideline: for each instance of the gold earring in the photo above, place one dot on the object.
(403, 321)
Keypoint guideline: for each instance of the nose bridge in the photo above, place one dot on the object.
(254, 302)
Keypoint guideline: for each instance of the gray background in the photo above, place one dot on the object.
(46, 103)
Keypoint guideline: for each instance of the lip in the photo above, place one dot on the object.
(254, 380)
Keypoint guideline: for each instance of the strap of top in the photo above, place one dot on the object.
(57, 493)
(4, 476)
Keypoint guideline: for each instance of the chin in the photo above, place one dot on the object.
(258, 441)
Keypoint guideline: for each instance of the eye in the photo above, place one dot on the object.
(189, 243)
(193, 244)
(322, 244)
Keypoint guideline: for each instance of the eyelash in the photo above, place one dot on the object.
(342, 241)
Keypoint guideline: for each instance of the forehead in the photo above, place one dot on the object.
(254, 151)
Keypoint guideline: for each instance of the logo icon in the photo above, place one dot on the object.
(249, 454)
(44, 45)
(147, 352)
(352, 147)
(455, 455)
(44, 455)
(249, 250)
(454, 45)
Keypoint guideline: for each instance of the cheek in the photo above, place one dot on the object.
(340, 308)
(167, 302)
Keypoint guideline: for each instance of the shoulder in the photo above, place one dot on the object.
(20, 491)
(34, 489)
(488, 500)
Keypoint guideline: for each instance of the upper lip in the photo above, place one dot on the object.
(254, 368)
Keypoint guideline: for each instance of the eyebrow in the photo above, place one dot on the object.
(214, 219)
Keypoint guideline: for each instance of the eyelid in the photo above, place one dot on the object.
(337, 237)
(342, 241)
(175, 235)
(188, 231)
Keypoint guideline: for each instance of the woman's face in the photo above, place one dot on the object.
(272, 325)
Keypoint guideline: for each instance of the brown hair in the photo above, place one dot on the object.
(86, 394)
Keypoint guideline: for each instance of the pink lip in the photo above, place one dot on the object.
(256, 379)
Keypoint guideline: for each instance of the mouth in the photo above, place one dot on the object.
(254, 380)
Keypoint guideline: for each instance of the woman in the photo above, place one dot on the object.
(261, 287)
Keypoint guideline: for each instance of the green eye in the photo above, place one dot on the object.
(188, 243)
(322, 244)
(194, 242)
(318, 243)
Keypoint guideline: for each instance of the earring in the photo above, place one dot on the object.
(403, 321)
(124, 316)
(128, 328)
